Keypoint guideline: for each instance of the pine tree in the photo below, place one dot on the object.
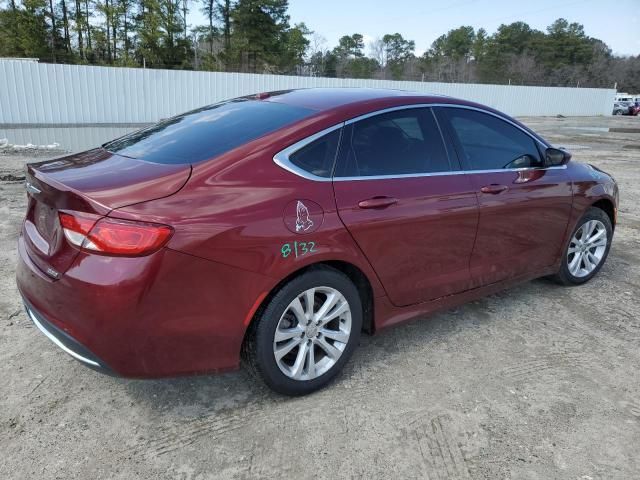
(79, 27)
(223, 11)
(259, 28)
(149, 41)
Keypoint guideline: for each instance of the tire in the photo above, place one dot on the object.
(618, 112)
(323, 355)
(575, 271)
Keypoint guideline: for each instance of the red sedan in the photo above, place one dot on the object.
(278, 227)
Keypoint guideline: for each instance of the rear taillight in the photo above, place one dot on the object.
(113, 236)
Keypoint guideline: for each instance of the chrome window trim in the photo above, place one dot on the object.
(61, 345)
(282, 157)
(446, 105)
(441, 174)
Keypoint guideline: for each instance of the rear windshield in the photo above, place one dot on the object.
(207, 132)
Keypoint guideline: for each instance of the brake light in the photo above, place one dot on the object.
(113, 236)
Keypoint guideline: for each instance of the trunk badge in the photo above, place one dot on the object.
(52, 273)
(31, 188)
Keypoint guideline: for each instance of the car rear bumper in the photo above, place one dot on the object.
(165, 314)
(66, 342)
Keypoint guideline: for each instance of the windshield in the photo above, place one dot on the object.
(206, 132)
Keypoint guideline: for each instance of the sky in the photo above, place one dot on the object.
(617, 22)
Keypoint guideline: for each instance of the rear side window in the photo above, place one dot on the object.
(489, 143)
(207, 132)
(318, 157)
(402, 142)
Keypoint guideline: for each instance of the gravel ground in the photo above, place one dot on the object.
(537, 382)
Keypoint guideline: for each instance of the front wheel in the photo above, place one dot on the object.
(588, 248)
(306, 333)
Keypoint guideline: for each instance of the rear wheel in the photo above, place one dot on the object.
(306, 332)
(587, 249)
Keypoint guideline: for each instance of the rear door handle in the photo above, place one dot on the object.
(494, 189)
(378, 202)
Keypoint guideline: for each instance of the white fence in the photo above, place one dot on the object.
(36, 93)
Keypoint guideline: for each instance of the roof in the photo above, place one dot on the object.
(330, 98)
(342, 103)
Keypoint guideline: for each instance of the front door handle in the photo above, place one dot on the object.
(494, 189)
(378, 202)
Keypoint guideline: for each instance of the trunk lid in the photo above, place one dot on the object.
(93, 182)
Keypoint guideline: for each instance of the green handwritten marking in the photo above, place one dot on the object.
(299, 249)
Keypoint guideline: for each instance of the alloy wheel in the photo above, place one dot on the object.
(312, 333)
(587, 248)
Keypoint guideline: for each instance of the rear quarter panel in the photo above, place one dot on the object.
(232, 212)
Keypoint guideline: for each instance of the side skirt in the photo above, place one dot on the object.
(388, 315)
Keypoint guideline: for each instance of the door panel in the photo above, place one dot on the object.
(522, 227)
(419, 246)
(416, 227)
(524, 208)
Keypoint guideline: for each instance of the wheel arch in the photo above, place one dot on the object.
(355, 274)
(607, 207)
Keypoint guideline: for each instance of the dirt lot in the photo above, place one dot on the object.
(537, 382)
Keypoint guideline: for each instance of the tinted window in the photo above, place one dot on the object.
(318, 157)
(489, 143)
(207, 132)
(395, 143)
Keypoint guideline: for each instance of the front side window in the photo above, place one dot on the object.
(489, 143)
(402, 142)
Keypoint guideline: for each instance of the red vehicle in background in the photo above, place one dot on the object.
(278, 227)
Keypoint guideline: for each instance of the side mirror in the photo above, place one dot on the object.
(554, 157)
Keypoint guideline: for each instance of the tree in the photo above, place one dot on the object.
(223, 11)
(565, 44)
(450, 57)
(107, 35)
(500, 49)
(126, 14)
(456, 44)
(259, 31)
(295, 48)
(479, 47)
(53, 31)
(377, 51)
(322, 62)
(10, 44)
(79, 27)
(24, 32)
(397, 52)
(350, 46)
(65, 29)
(149, 50)
(255, 36)
(350, 59)
(208, 8)
(361, 67)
